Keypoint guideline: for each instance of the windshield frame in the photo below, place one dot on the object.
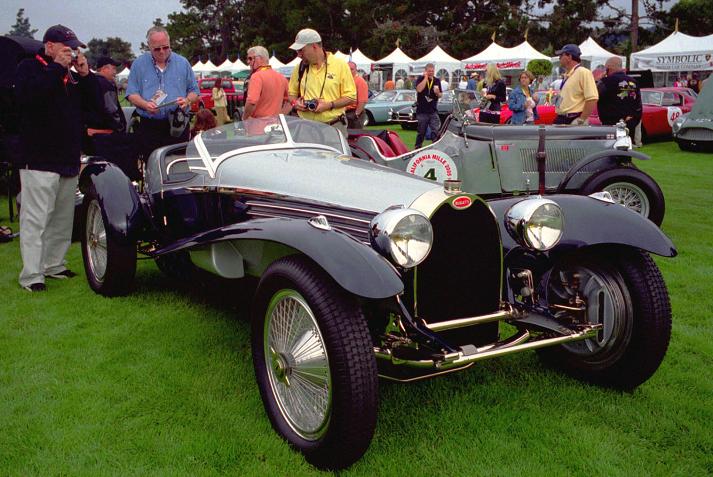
(211, 165)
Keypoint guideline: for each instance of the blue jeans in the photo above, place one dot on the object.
(424, 121)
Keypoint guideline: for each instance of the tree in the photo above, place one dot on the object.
(114, 47)
(540, 68)
(22, 26)
(695, 17)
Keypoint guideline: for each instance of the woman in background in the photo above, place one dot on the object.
(220, 103)
(204, 121)
(495, 92)
(523, 102)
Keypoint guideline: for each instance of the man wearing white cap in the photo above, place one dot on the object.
(321, 85)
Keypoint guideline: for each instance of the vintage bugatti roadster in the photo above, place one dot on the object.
(366, 271)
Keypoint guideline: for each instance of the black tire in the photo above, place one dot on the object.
(409, 126)
(632, 188)
(98, 247)
(349, 365)
(176, 266)
(630, 289)
(368, 119)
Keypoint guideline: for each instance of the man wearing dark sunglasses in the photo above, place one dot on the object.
(160, 82)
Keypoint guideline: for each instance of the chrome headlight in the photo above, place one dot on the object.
(676, 126)
(535, 223)
(404, 235)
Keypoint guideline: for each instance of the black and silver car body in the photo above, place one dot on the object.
(694, 131)
(406, 116)
(495, 160)
(366, 271)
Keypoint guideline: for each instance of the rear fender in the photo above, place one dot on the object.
(589, 222)
(123, 215)
(356, 267)
(608, 159)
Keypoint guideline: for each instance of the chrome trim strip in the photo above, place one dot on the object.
(334, 225)
(305, 211)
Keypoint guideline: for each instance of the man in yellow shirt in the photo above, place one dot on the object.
(324, 87)
(578, 93)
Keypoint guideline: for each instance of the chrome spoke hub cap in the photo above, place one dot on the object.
(630, 196)
(96, 241)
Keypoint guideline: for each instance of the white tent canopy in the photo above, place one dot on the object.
(515, 58)
(401, 63)
(239, 65)
(124, 73)
(275, 63)
(676, 52)
(207, 67)
(295, 61)
(595, 54)
(441, 61)
(362, 61)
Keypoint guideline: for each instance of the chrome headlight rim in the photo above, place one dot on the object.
(392, 225)
(522, 219)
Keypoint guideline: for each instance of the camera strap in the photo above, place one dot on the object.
(321, 91)
(44, 63)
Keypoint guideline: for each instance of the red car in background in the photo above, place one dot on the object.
(234, 93)
(661, 107)
(545, 109)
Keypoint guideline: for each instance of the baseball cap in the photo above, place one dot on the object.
(62, 34)
(571, 49)
(106, 60)
(305, 37)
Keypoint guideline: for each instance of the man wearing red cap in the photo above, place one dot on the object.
(51, 98)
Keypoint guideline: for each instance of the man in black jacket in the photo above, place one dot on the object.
(106, 124)
(619, 96)
(50, 98)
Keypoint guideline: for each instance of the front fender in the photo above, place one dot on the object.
(123, 215)
(589, 221)
(609, 159)
(354, 266)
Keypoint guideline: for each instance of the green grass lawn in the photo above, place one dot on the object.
(161, 382)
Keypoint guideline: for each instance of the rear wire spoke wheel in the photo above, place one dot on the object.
(630, 196)
(624, 291)
(314, 363)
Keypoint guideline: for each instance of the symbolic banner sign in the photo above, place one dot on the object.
(502, 65)
(685, 62)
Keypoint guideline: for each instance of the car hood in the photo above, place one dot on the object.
(323, 176)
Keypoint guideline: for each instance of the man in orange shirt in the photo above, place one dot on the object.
(267, 90)
(355, 111)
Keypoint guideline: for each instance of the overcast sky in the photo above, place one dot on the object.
(127, 19)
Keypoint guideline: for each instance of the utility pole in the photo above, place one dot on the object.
(634, 25)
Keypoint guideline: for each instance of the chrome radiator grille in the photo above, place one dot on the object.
(352, 222)
(696, 134)
(558, 160)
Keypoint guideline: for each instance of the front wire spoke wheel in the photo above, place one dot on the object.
(298, 365)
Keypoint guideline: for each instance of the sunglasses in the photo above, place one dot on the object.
(250, 58)
(159, 48)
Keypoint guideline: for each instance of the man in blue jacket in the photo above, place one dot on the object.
(51, 99)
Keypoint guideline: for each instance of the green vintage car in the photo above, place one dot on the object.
(503, 160)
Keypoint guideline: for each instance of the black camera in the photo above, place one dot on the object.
(311, 104)
(75, 56)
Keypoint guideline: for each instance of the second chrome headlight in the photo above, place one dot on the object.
(535, 223)
(404, 235)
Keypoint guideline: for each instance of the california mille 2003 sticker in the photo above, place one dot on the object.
(434, 165)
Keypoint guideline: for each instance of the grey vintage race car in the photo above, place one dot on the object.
(694, 131)
(366, 271)
(503, 160)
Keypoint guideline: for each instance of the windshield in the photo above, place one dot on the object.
(217, 144)
(652, 97)
(384, 96)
